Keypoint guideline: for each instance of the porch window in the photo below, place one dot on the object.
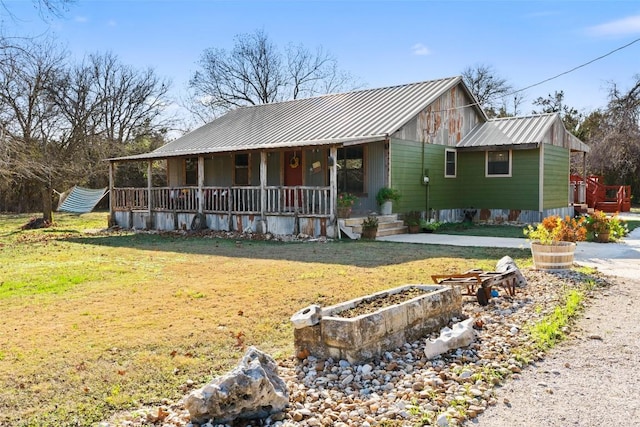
(450, 161)
(191, 171)
(241, 164)
(351, 169)
(498, 163)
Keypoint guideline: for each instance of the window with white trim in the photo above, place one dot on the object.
(498, 163)
(450, 163)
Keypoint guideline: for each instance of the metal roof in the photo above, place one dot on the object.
(524, 132)
(364, 115)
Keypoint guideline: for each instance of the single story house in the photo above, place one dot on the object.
(280, 167)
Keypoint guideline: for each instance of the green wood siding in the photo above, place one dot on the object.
(556, 177)
(407, 170)
(520, 191)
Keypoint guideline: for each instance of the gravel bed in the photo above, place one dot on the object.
(404, 388)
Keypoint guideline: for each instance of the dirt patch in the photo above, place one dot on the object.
(35, 223)
(372, 305)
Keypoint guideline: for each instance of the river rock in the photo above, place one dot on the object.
(251, 390)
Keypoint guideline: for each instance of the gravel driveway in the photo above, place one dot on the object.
(592, 379)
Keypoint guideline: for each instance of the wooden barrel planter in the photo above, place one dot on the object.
(557, 256)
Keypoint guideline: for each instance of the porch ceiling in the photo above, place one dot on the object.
(296, 144)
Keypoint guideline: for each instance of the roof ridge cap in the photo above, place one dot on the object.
(326, 95)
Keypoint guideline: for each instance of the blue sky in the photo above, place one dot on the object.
(381, 42)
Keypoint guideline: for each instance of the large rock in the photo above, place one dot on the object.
(506, 263)
(251, 390)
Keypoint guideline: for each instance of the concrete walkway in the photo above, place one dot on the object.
(617, 259)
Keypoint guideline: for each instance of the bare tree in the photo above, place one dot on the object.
(59, 121)
(256, 72)
(510, 104)
(615, 142)
(132, 100)
(571, 118)
(44, 7)
(313, 73)
(489, 89)
(28, 119)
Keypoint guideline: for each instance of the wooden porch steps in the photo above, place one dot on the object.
(609, 207)
(387, 226)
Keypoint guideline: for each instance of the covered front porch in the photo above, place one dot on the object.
(279, 210)
(284, 191)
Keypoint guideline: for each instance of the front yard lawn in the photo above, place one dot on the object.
(94, 323)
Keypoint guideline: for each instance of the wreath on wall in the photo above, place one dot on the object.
(294, 162)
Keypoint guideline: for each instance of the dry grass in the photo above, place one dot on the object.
(96, 323)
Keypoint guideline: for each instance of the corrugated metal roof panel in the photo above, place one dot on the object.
(526, 129)
(325, 119)
(518, 131)
(509, 131)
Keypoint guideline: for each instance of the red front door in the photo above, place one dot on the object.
(293, 176)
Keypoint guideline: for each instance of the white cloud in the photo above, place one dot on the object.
(624, 26)
(81, 19)
(420, 49)
(112, 23)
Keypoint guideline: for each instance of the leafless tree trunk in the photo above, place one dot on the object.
(28, 119)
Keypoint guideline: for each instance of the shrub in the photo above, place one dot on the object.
(370, 222)
(385, 194)
(554, 229)
(412, 218)
(600, 223)
(346, 200)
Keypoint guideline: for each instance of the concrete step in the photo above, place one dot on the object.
(388, 225)
(391, 231)
(382, 226)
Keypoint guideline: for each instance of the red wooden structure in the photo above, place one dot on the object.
(606, 198)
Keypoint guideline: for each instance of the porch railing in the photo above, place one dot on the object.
(130, 198)
(174, 199)
(299, 200)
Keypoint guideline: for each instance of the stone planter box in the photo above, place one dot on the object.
(322, 333)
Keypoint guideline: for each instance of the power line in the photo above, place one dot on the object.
(575, 68)
(550, 78)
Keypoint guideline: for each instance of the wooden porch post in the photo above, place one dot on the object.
(149, 184)
(200, 184)
(263, 184)
(112, 219)
(333, 185)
